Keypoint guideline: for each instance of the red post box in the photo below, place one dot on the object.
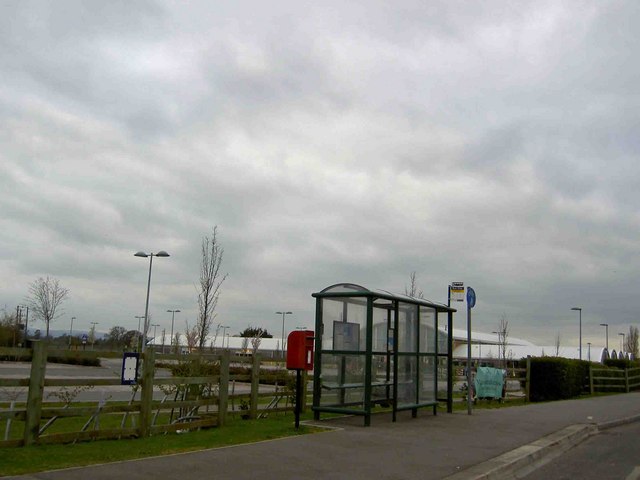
(300, 350)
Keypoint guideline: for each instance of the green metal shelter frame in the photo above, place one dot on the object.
(374, 347)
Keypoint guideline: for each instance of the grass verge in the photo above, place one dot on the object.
(18, 461)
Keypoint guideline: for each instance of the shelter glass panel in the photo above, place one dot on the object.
(381, 377)
(407, 388)
(407, 327)
(342, 380)
(427, 379)
(443, 374)
(382, 329)
(344, 324)
(427, 329)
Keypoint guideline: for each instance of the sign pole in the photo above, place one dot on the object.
(471, 302)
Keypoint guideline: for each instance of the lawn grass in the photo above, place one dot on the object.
(17, 461)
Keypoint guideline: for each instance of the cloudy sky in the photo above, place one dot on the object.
(494, 143)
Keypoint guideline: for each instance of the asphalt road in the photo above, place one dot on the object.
(611, 454)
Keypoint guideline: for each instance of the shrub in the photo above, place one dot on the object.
(554, 378)
(622, 363)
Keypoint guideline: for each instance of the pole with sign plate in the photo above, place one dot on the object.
(471, 302)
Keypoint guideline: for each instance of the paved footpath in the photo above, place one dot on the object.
(427, 447)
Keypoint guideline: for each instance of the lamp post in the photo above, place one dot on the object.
(622, 347)
(93, 335)
(173, 316)
(579, 309)
(154, 325)
(26, 325)
(71, 331)
(161, 253)
(589, 351)
(283, 313)
(224, 331)
(138, 333)
(606, 329)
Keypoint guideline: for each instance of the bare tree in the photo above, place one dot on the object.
(632, 341)
(255, 343)
(211, 279)
(45, 299)
(245, 345)
(412, 290)
(191, 334)
(503, 335)
(176, 341)
(557, 344)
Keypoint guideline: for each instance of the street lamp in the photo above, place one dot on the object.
(26, 325)
(93, 335)
(589, 351)
(224, 330)
(138, 333)
(283, 313)
(579, 309)
(154, 325)
(161, 253)
(622, 349)
(71, 331)
(606, 329)
(173, 316)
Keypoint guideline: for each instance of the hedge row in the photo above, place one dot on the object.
(554, 378)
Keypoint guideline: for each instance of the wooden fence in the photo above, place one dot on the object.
(613, 380)
(198, 401)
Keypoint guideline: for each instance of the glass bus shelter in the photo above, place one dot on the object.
(374, 347)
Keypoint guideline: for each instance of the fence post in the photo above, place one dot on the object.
(36, 389)
(146, 393)
(223, 388)
(255, 385)
(527, 383)
(591, 389)
(626, 380)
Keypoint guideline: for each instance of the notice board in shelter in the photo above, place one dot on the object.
(346, 336)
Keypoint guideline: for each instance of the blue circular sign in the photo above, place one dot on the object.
(471, 297)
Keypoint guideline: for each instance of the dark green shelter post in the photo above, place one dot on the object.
(373, 348)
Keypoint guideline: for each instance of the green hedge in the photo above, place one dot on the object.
(554, 378)
(621, 363)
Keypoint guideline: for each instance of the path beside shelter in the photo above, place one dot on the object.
(427, 447)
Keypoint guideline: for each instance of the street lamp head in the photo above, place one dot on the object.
(576, 308)
(604, 324)
(162, 253)
(140, 254)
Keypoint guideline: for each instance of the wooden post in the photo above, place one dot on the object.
(255, 386)
(626, 380)
(223, 388)
(591, 389)
(527, 383)
(146, 393)
(36, 389)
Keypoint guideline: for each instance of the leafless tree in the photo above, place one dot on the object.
(191, 335)
(255, 344)
(245, 345)
(211, 280)
(412, 290)
(503, 335)
(45, 299)
(176, 341)
(632, 341)
(557, 344)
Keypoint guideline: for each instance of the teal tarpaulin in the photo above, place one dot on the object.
(489, 382)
